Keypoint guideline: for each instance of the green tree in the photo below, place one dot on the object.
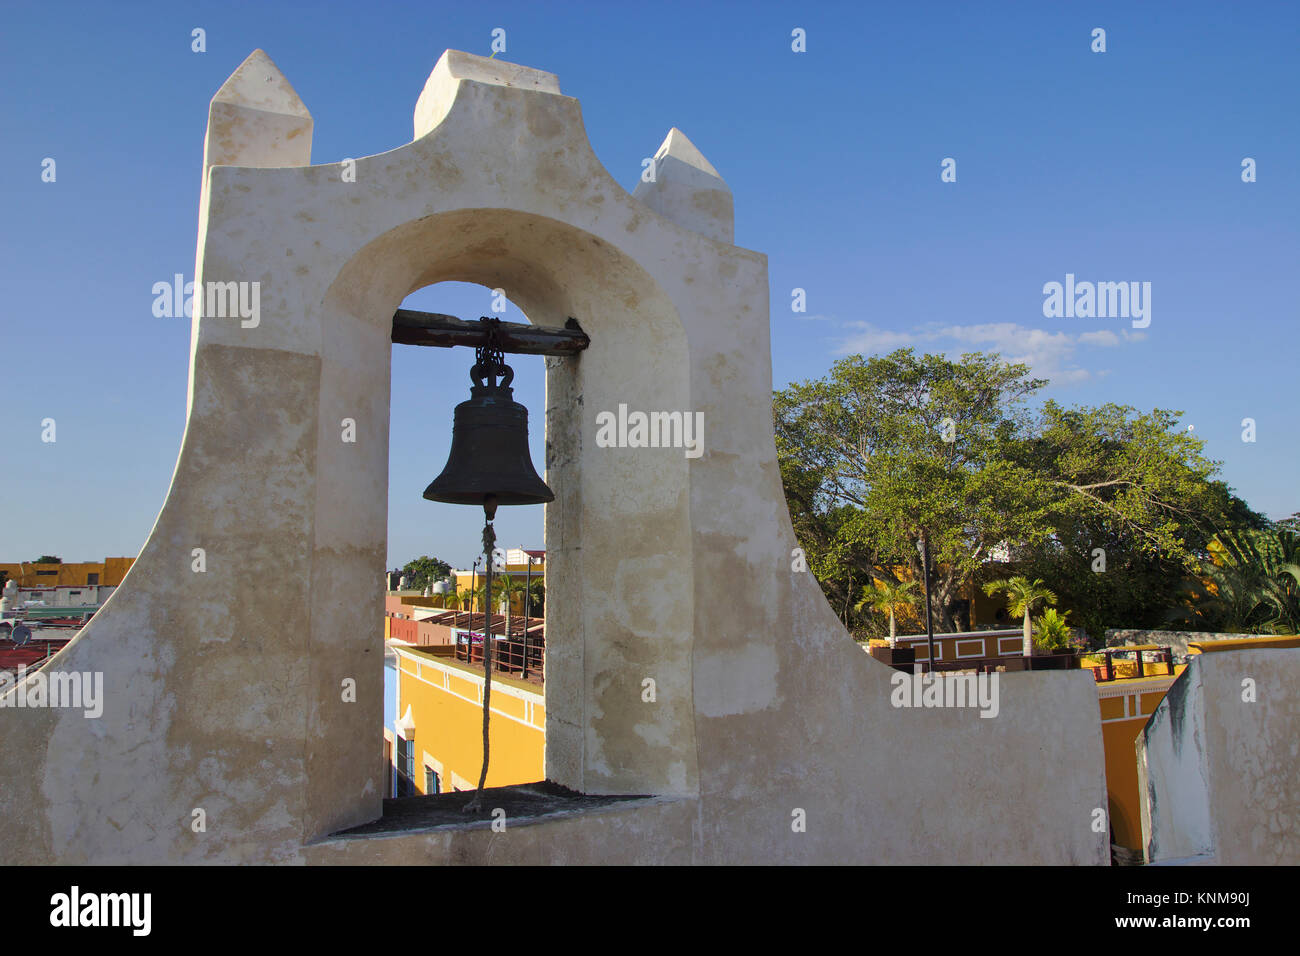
(1285, 600)
(1115, 507)
(487, 603)
(1132, 505)
(467, 597)
(1250, 584)
(1023, 596)
(48, 559)
(887, 597)
(462, 600)
(510, 587)
(423, 571)
(888, 447)
(537, 597)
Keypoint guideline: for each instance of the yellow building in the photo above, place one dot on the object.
(108, 572)
(1126, 705)
(437, 740)
(517, 565)
(1241, 644)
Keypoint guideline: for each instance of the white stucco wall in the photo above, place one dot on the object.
(1219, 761)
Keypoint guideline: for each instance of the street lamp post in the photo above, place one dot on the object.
(924, 547)
(473, 596)
(528, 611)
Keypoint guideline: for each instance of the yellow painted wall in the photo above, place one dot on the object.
(1123, 718)
(1127, 670)
(447, 711)
(73, 574)
(1242, 644)
(1119, 734)
(115, 570)
(1121, 778)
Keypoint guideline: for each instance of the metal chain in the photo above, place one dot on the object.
(490, 357)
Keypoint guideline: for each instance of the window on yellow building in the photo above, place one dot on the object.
(405, 768)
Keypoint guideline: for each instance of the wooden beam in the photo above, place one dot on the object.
(517, 338)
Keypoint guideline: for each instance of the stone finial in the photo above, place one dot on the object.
(257, 119)
(687, 190)
(454, 65)
(406, 724)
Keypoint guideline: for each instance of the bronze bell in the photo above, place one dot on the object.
(489, 442)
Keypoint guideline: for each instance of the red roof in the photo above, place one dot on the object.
(35, 651)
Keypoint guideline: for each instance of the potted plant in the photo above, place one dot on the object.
(1053, 636)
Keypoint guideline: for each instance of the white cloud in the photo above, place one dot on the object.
(1102, 337)
(1051, 355)
(871, 339)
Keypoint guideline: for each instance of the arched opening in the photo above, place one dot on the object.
(618, 535)
(426, 385)
(435, 622)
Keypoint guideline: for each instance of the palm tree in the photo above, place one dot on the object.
(509, 587)
(489, 602)
(1282, 591)
(1250, 584)
(485, 600)
(1285, 596)
(464, 599)
(537, 596)
(1023, 596)
(886, 597)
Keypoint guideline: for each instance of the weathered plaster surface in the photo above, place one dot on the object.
(1218, 770)
(1172, 777)
(225, 685)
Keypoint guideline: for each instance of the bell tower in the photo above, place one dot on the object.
(241, 658)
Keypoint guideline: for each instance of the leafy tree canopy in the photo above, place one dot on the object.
(886, 448)
(1249, 584)
(424, 571)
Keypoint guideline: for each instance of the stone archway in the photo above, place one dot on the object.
(619, 532)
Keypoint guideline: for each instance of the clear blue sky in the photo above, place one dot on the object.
(1123, 165)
